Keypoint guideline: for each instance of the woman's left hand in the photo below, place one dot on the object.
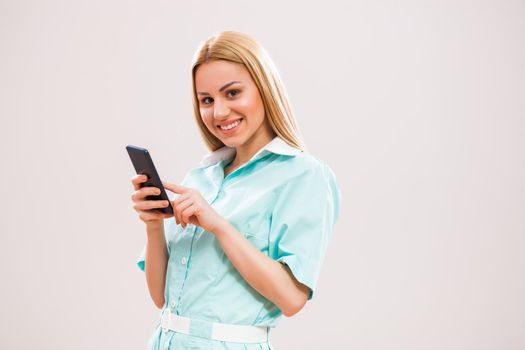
(192, 208)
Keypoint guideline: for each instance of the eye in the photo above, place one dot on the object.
(206, 99)
(232, 93)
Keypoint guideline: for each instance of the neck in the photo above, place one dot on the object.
(246, 151)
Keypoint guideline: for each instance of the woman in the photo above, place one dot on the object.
(251, 223)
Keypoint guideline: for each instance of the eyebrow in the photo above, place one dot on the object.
(222, 88)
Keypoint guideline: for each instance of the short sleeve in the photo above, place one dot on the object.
(302, 220)
(141, 260)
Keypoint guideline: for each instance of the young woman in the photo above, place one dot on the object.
(252, 221)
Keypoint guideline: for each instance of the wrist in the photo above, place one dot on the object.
(222, 227)
(153, 228)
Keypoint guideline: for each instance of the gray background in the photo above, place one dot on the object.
(418, 107)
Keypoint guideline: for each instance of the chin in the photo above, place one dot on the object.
(231, 143)
(234, 141)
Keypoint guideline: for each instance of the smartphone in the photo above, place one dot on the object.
(143, 164)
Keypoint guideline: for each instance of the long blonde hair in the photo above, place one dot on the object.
(240, 48)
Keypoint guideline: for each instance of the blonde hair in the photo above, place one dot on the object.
(239, 48)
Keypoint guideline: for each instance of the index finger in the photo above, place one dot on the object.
(174, 188)
(137, 180)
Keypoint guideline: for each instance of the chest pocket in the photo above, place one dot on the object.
(255, 226)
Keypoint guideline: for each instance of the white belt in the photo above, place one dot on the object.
(219, 331)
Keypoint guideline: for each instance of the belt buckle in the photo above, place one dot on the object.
(165, 319)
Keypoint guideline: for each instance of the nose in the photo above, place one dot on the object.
(220, 110)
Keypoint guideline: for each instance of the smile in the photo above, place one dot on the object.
(231, 126)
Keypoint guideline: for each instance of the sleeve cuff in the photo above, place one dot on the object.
(141, 261)
(293, 264)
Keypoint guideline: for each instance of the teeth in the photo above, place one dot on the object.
(231, 126)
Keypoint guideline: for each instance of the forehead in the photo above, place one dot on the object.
(212, 75)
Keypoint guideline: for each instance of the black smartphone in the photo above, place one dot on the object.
(143, 164)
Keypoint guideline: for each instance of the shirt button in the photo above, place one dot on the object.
(172, 304)
(183, 261)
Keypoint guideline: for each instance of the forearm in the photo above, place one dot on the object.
(156, 262)
(270, 278)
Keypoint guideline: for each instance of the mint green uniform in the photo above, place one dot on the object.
(285, 202)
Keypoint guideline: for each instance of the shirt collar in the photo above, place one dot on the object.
(277, 145)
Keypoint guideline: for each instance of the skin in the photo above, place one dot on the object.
(238, 101)
(242, 101)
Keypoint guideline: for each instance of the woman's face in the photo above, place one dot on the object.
(230, 104)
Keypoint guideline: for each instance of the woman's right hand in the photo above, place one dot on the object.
(143, 206)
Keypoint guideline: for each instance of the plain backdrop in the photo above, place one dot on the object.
(417, 106)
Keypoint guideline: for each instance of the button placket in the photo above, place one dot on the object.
(183, 248)
(185, 264)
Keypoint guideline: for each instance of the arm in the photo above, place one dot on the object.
(270, 278)
(156, 262)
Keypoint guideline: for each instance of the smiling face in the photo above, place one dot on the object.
(230, 105)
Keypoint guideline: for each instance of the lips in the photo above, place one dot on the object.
(233, 125)
(229, 122)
